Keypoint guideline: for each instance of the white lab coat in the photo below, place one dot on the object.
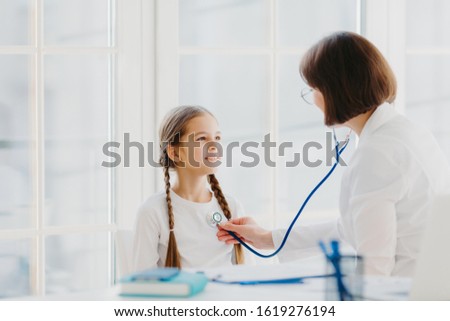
(386, 194)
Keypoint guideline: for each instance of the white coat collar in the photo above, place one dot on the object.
(380, 116)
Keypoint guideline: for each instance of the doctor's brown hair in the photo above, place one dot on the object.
(351, 73)
(172, 128)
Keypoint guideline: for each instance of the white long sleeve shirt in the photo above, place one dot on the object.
(196, 240)
(386, 196)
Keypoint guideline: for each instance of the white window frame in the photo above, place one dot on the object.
(131, 93)
(385, 26)
(136, 112)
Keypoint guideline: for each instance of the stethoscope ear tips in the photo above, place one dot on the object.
(215, 218)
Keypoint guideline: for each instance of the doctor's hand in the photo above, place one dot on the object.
(247, 230)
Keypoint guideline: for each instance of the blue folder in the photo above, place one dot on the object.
(162, 282)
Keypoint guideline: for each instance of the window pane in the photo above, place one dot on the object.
(428, 95)
(15, 179)
(235, 89)
(303, 22)
(81, 22)
(427, 23)
(293, 110)
(76, 262)
(14, 22)
(231, 86)
(301, 124)
(14, 268)
(222, 23)
(76, 127)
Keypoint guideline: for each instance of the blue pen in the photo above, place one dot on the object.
(255, 282)
(279, 281)
(273, 281)
(335, 258)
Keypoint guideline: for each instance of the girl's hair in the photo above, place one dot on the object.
(172, 129)
(351, 73)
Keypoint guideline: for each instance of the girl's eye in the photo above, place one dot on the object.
(201, 138)
(218, 138)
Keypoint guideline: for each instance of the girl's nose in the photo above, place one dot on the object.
(212, 148)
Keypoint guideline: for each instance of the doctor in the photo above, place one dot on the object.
(397, 168)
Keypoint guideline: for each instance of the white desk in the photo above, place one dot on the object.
(378, 288)
(221, 292)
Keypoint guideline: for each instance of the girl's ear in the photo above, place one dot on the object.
(172, 152)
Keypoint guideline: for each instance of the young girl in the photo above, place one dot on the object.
(172, 227)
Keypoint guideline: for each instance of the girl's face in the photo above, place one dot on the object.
(200, 153)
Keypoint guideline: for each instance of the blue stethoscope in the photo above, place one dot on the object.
(215, 218)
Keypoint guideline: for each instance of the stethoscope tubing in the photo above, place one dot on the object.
(305, 202)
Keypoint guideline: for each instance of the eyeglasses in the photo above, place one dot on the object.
(306, 95)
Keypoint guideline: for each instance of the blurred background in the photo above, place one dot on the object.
(78, 74)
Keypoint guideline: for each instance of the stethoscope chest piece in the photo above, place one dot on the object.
(214, 218)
